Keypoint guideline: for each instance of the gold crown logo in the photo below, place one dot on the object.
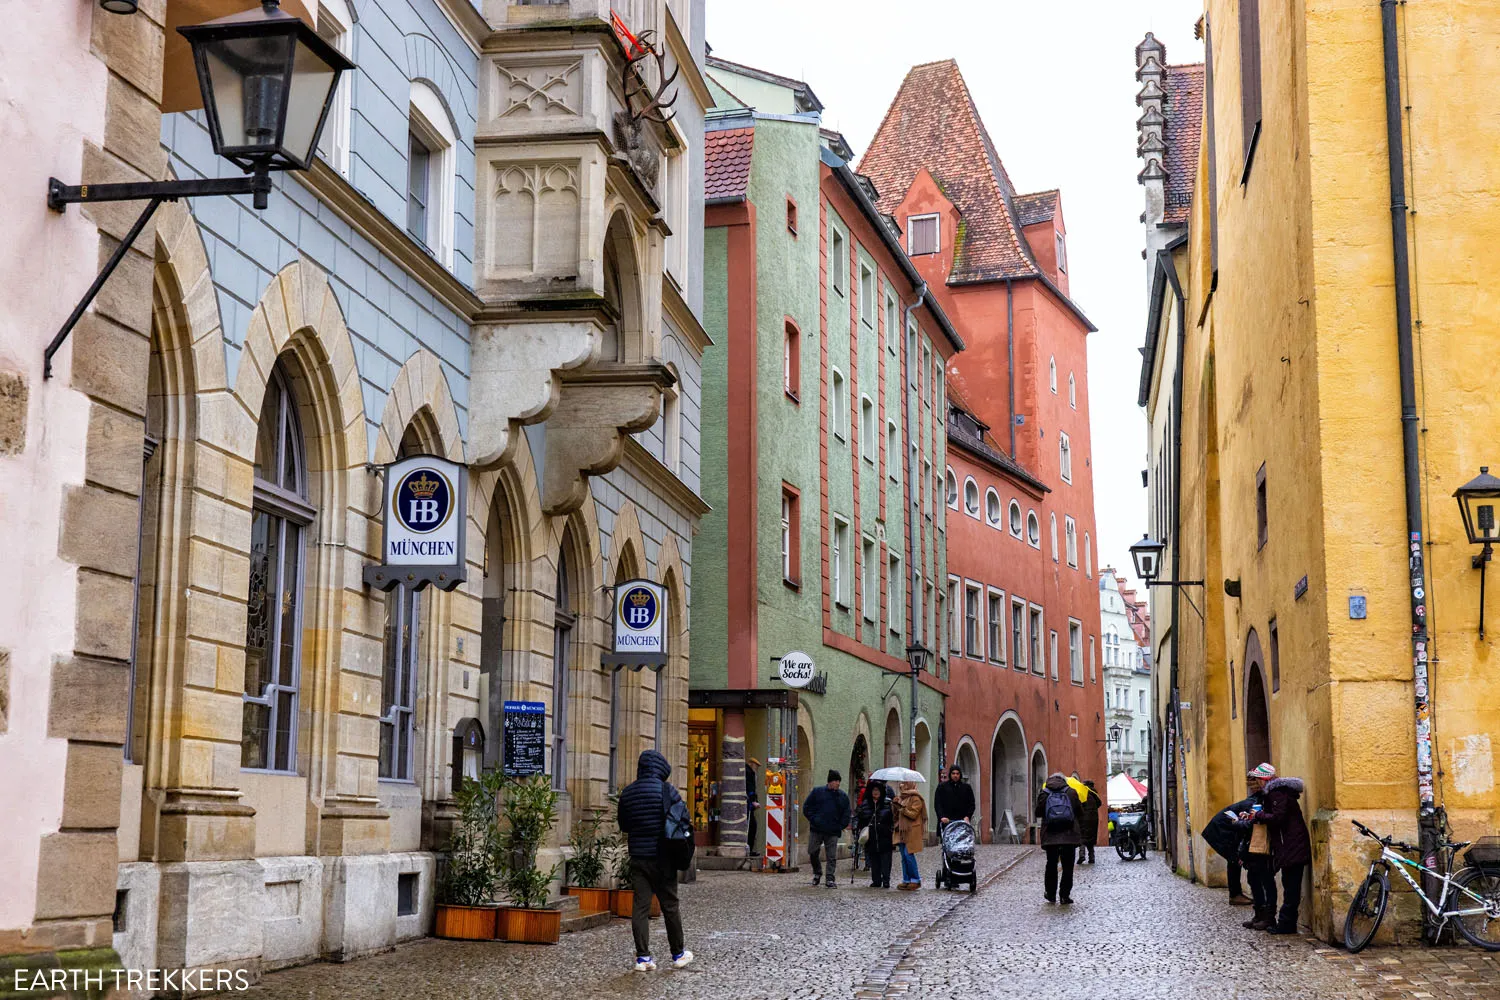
(639, 598)
(424, 488)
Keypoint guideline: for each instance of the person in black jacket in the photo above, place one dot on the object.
(752, 802)
(1226, 833)
(827, 813)
(952, 800)
(642, 817)
(875, 812)
(1058, 806)
(1088, 823)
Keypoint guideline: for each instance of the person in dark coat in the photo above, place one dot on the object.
(1088, 823)
(1226, 834)
(1291, 846)
(954, 799)
(875, 812)
(641, 815)
(1058, 807)
(827, 813)
(752, 802)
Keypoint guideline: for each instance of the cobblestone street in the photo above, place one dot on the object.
(1134, 926)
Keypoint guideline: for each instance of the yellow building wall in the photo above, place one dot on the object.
(1292, 363)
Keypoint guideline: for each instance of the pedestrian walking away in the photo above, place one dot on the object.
(641, 815)
(752, 802)
(876, 814)
(1058, 808)
(911, 831)
(827, 813)
(1291, 846)
(1088, 823)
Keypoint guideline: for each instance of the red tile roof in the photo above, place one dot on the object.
(727, 170)
(1183, 135)
(933, 123)
(1038, 207)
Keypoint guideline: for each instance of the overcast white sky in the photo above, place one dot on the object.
(1055, 83)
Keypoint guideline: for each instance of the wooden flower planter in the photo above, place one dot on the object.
(466, 923)
(591, 900)
(529, 926)
(624, 901)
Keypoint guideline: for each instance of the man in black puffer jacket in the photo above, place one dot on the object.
(642, 818)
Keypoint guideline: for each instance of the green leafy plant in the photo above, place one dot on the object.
(619, 857)
(586, 867)
(529, 812)
(471, 874)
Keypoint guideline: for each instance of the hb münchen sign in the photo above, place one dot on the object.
(640, 626)
(423, 517)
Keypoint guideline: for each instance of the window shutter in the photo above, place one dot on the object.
(1250, 105)
(924, 235)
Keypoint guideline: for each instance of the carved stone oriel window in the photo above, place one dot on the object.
(534, 223)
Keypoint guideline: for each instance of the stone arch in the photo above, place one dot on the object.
(925, 751)
(620, 261)
(673, 681)
(1007, 789)
(1039, 773)
(1257, 704)
(862, 732)
(427, 62)
(420, 385)
(894, 744)
(298, 322)
(182, 260)
(805, 749)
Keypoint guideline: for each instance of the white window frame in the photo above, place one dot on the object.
(1088, 556)
(1072, 391)
(867, 445)
(1065, 457)
(1052, 374)
(1052, 522)
(937, 233)
(786, 535)
(994, 632)
(1075, 651)
(955, 634)
(922, 376)
(992, 508)
(1035, 653)
(892, 452)
(671, 428)
(1052, 650)
(927, 478)
(336, 27)
(950, 488)
(1033, 530)
(1020, 648)
(677, 205)
(1062, 253)
(868, 588)
(892, 321)
(839, 564)
(971, 486)
(1093, 662)
(838, 403)
(866, 294)
(838, 260)
(893, 597)
(1017, 526)
(1070, 540)
(429, 121)
(981, 637)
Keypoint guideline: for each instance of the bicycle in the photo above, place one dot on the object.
(1475, 890)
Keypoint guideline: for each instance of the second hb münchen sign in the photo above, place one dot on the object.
(423, 517)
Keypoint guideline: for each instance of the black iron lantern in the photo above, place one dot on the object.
(917, 656)
(268, 81)
(1146, 554)
(1477, 500)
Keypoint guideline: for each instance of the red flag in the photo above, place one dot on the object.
(632, 44)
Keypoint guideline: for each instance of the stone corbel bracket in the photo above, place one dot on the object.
(599, 407)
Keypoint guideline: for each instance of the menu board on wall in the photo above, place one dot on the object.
(525, 738)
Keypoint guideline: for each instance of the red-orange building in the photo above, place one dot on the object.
(1023, 605)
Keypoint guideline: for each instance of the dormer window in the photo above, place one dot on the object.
(921, 234)
(1062, 254)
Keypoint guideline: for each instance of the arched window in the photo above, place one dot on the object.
(1072, 392)
(432, 144)
(564, 619)
(1053, 519)
(1065, 457)
(280, 517)
(992, 507)
(1015, 519)
(614, 296)
(1033, 530)
(950, 489)
(1052, 374)
(1088, 557)
(971, 497)
(336, 27)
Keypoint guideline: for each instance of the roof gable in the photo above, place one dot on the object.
(1183, 109)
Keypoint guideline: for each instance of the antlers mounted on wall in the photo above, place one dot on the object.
(658, 107)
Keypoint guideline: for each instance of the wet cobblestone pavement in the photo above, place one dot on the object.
(1135, 931)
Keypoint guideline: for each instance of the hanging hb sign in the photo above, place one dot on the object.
(423, 517)
(640, 625)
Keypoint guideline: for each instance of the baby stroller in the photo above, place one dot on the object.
(957, 847)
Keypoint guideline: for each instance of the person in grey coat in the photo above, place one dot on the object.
(1058, 808)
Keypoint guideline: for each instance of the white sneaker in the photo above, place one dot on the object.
(683, 960)
(647, 964)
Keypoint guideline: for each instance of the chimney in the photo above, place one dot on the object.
(1151, 146)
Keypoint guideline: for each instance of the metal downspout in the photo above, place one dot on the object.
(914, 512)
(1429, 817)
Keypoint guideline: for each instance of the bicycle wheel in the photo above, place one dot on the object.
(1366, 911)
(1482, 929)
(1124, 850)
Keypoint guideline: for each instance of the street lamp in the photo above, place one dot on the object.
(1146, 554)
(268, 81)
(1476, 503)
(1114, 742)
(917, 656)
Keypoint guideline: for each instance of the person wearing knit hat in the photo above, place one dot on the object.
(827, 812)
(1264, 772)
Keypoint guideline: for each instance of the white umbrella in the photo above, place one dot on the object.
(897, 774)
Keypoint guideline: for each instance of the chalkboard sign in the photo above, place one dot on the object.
(525, 738)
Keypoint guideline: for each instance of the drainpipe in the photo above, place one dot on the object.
(1010, 353)
(914, 511)
(1429, 817)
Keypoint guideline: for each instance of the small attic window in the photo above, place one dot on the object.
(1062, 254)
(921, 234)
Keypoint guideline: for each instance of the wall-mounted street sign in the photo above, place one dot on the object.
(640, 626)
(423, 518)
(525, 738)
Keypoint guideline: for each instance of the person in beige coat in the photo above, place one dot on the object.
(911, 828)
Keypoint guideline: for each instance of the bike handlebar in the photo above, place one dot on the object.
(1384, 841)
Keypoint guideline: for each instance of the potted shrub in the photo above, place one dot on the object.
(586, 867)
(529, 811)
(466, 907)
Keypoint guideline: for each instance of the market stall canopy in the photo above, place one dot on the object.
(179, 78)
(1125, 791)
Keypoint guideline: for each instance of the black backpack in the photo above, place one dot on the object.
(676, 844)
(1057, 814)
